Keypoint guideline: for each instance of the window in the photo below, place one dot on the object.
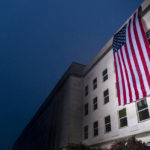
(95, 105)
(123, 118)
(95, 128)
(95, 83)
(107, 124)
(86, 90)
(106, 96)
(143, 112)
(86, 109)
(86, 132)
(105, 75)
(148, 36)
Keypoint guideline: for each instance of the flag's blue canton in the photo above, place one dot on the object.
(119, 39)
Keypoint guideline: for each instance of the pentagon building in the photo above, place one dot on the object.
(83, 108)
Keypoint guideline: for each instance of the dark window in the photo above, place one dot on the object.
(95, 83)
(143, 112)
(85, 132)
(123, 117)
(95, 104)
(107, 124)
(86, 109)
(95, 128)
(105, 75)
(106, 96)
(148, 36)
(86, 90)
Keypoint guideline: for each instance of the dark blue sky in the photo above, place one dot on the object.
(38, 41)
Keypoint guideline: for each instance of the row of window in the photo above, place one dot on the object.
(95, 102)
(105, 77)
(143, 113)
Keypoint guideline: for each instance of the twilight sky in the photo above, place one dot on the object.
(38, 41)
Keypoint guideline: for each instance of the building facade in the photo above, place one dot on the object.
(83, 107)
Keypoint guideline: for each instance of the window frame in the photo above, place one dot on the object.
(94, 83)
(107, 123)
(95, 129)
(105, 97)
(122, 118)
(86, 109)
(142, 110)
(86, 134)
(105, 76)
(95, 103)
(86, 90)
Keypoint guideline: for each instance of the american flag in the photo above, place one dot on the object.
(132, 61)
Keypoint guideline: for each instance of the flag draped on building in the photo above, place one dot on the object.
(132, 61)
